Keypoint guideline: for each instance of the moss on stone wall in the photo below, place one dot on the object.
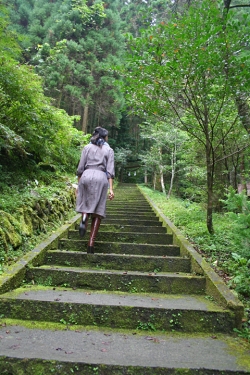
(33, 218)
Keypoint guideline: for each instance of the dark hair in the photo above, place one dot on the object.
(98, 136)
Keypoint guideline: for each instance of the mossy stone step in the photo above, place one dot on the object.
(131, 228)
(120, 310)
(118, 261)
(138, 220)
(117, 227)
(120, 247)
(131, 214)
(77, 350)
(128, 203)
(117, 280)
(133, 218)
(142, 238)
(129, 207)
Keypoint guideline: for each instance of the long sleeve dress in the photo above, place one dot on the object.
(96, 166)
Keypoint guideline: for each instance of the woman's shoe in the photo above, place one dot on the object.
(90, 249)
(83, 225)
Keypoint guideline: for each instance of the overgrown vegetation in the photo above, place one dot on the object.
(227, 250)
(31, 207)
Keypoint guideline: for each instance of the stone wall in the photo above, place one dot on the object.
(34, 218)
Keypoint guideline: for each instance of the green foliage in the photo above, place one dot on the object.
(186, 69)
(30, 127)
(245, 331)
(76, 46)
(147, 326)
(91, 16)
(237, 203)
(239, 267)
(8, 39)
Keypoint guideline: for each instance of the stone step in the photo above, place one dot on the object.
(140, 203)
(117, 280)
(133, 218)
(142, 238)
(119, 220)
(128, 228)
(118, 261)
(117, 310)
(130, 210)
(75, 350)
(142, 215)
(120, 247)
(131, 228)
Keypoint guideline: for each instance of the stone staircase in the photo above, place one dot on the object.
(137, 298)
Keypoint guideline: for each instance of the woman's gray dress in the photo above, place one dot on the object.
(95, 167)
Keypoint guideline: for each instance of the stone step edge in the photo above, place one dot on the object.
(85, 240)
(73, 277)
(119, 316)
(129, 262)
(82, 270)
(124, 247)
(192, 302)
(118, 255)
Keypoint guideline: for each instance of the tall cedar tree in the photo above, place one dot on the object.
(74, 46)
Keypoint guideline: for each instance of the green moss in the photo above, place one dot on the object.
(11, 228)
(25, 222)
(3, 240)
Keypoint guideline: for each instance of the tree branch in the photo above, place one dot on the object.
(240, 6)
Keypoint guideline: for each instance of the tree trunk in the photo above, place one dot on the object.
(59, 99)
(162, 180)
(85, 116)
(161, 171)
(244, 112)
(173, 165)
(210, 181)
(154, 180)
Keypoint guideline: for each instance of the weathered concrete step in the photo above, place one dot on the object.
(120, 248)
(108, 352)
(119, 219)
(131, 281)
(120, 310)
(116, 227)
(126, 194)
(118, 261)
(132, 214)
(131, 228)
(142, 238)
(130, 208)
(140, 203)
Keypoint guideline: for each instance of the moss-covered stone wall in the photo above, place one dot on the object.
(34, 218)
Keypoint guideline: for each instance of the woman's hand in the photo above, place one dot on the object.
(111, 194)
